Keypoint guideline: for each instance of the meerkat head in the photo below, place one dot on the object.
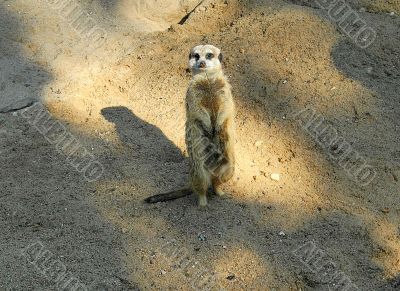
(205, 58)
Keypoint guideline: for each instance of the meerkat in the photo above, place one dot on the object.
(210, 127)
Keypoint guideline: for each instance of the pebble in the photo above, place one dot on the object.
(258, 143)
(391, 13)
(281, 233)
(163, 272)
(369, 70)
(201, 237)
(275, 176)
(231, 277)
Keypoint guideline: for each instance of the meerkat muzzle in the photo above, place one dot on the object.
(202, 64)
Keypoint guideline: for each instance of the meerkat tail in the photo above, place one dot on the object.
(169, 196)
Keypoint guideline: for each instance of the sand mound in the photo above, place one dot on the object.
(153, 15)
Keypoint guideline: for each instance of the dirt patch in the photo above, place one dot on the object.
(124, 103)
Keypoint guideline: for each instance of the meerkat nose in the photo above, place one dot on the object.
(202, 64)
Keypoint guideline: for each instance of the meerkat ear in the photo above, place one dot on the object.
(220, 57)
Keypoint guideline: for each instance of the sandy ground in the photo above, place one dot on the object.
(123, 100)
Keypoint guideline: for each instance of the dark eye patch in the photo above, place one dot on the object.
(209, 56)
(197, 56)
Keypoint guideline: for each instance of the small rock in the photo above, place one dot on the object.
(163, 272)
(281, 233)
(391, 13)
(201, 237)
(385, 210)
(241, 51)
(231, 277)
(362, 9)
(258, 143)
(284, 81)
(275, 176)
(369, 70)
(124, 230)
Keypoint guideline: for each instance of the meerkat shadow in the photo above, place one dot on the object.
(148, 147)
(145, 140)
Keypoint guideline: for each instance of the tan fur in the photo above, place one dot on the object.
(210, 127)
(210, 124)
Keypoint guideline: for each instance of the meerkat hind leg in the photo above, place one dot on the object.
(216, 182)
(202, 199)
(200, 188)
(202, 194)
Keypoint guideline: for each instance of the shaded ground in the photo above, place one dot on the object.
(123, 100)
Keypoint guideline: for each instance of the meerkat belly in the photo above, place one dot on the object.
(211, 97)
(212, 105)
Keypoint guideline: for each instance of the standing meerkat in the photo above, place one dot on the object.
(210, 113)
(210, 128)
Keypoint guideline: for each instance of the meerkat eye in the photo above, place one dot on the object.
(209, 56)
(197, 56)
